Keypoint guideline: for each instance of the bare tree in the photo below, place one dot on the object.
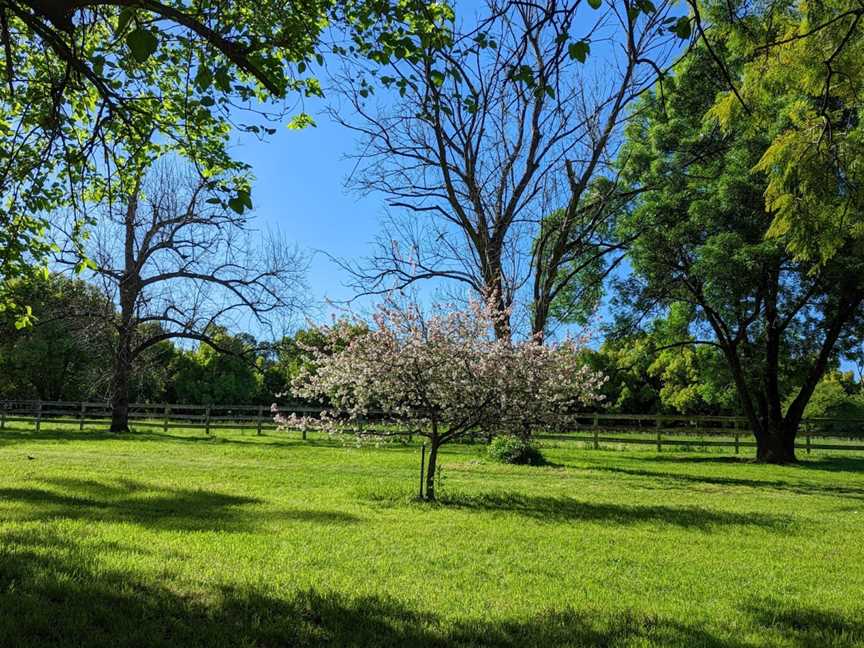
(476, 145)
(178, 263)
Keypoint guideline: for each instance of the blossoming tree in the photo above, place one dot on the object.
(442, 375)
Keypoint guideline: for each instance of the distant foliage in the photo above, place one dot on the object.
(837, 396)
(512, 449)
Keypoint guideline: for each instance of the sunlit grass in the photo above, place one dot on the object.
(180, 539)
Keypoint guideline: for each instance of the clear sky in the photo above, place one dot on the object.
(300, 190)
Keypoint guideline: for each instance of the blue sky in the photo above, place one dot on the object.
(300, 190)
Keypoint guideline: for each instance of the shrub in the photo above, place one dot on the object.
(515, 450)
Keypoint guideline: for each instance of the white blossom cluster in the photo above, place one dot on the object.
(441, 375)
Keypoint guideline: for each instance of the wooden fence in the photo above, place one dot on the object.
(163, 416)
(592, 429)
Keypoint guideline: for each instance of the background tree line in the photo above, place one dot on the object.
(62, 356)
(66, 354)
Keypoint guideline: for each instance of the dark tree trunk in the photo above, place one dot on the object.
(120, 383)
(775, 442)
(130, 288)
(540, 316)
(431, 465)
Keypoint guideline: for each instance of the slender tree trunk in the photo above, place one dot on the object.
(431, 465)
(540, 316)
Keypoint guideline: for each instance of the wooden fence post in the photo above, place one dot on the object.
(260, 416)
(81, 417)
(3, 417)
(38, 416)
(807, 432)
(659, 440)
(596, 432)
(737, 438)
(165, 419)
(207, 420)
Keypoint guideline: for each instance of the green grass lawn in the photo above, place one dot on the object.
(182, 540)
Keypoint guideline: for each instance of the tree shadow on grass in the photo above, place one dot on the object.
(684, 479)
(51, 595)
(567, 509)
(826, 464)
(55, 593)
(686, 459)
(808, 626)
(157, 507)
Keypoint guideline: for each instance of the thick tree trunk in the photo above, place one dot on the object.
(120, 384)
(494, 280)
(775, 443)
(431, 465)
(130, 288)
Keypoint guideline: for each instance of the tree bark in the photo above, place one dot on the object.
(129, 288)
(120, 383)
(775, 442)
(431, 465)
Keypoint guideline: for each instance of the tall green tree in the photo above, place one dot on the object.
(706, 241)
(794, 75)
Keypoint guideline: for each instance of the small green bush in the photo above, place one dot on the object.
(515, 450)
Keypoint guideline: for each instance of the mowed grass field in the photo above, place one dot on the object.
(183, 540)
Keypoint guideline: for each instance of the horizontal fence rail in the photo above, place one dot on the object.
(592, 429)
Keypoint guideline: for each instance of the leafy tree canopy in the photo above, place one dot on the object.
(706, 242)
(92, 91)
(800, 85)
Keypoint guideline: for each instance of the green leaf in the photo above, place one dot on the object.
(98, 64)
(207, 101)
(437, 77)
(682, 27)
(241, 202)
(223, 79)
(301, 121)
(595, 4)
(142, 43)
(25, 319)
(124, 18)
(579, 50)
(236, 204)
(646, 6)
(85, 264)
(203, 78)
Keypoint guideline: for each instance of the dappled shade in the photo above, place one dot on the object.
(559, 509)
(51, 596)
